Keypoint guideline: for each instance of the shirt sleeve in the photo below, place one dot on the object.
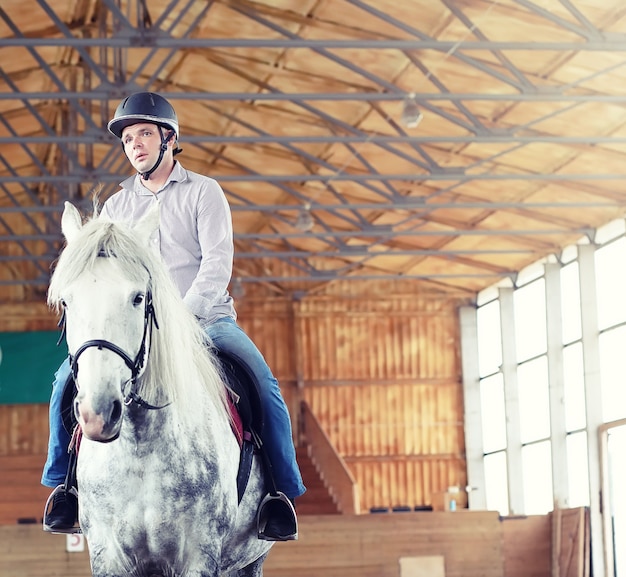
(215, 237)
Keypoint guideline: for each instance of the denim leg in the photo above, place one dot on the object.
(277, 437)
(55, 469)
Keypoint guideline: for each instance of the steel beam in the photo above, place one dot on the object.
(351, 252)
(613, 42)
(402, 203)
(362, 233)
(555, 94)
(102, 138)
(318, 277)
(93, 177)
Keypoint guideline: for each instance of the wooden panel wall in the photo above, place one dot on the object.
(26, 551)
(27, 316)
(381, 372)
(329, 546)
(527, 546)
(23, 445)
(372, 545)
(365, 545)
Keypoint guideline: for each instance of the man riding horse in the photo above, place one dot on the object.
(195, 240)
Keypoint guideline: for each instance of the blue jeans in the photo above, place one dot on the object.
(55, 469)
(277, 437)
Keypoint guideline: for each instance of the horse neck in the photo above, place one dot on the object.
(190, 408)
(141, 423)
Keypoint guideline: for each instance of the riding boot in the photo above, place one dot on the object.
(61, 511)
(277, 519)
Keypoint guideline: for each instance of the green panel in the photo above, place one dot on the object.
(28, 362)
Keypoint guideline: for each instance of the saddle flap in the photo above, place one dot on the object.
(240, 379)
(67, 405)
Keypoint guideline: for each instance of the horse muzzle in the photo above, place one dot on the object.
(102, 423)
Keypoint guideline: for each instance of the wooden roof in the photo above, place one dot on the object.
(296, 108)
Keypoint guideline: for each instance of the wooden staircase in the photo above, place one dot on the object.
(317, 500)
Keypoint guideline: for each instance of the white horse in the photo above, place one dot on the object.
(158, 460)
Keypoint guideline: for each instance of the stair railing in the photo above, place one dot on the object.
(338, 479)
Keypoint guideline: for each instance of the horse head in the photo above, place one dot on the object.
(107, 309)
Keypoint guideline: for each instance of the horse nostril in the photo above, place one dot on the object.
(116, 412)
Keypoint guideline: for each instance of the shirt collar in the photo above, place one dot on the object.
(178, 174)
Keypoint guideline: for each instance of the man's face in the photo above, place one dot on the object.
(141, 144)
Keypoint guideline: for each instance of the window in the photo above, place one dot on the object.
(617, 502)
(537, 471)
(611, 283)
(529, 447)
(496, 484)
(530, 320)
(492, 409)
(570, 303)
(534, 400)
(613, 373)
(533, 395)
(488, 328)
(578, 469)
(574, 385)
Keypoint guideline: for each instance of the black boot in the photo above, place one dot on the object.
(61, 511)
(277, 519)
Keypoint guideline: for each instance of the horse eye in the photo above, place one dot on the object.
(63, 303)
(139, 297)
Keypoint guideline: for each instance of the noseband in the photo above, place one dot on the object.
(135, 365)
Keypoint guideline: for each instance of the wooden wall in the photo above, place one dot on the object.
(26, 316)
(382, 375)
(23, 443)
(23, 429)
(527, 546)
(379, 366)
(469, 543)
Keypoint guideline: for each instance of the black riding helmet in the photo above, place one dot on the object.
(147, 107)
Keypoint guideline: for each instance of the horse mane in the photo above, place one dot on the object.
(180, 368)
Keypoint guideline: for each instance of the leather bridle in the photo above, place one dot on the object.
(135, 365)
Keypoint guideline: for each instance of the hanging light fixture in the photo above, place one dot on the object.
(411, 114)
(304, 222)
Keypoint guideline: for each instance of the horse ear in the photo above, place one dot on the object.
(71, 222)
(149, 223)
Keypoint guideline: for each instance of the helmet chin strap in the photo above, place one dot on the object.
(164, 141)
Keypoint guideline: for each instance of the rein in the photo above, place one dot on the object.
(135, 365)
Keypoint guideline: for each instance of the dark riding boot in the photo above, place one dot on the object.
(61, 511)
(277, 519)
